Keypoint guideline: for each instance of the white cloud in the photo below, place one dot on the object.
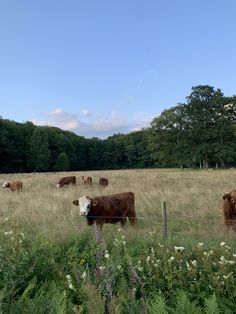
(85, 113)
(89, 125)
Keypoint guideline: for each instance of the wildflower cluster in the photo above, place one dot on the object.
(69, 280)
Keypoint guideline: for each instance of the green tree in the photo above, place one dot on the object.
(62, 163)
(39, 153)
(198, 133)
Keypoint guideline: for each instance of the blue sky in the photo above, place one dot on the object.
(99, 67)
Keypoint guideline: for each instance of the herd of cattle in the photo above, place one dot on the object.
(99, 210)
(85, 179)
(116, 208)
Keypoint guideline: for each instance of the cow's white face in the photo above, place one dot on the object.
(58, 185)
(84, 204)
(5, 184)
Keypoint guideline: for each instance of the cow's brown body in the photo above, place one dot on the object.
(87, 180)
(66, 181)
(229, 209)
(14, 185)
(111, 209)
(103, 182)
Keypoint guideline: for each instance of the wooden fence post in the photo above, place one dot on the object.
(164, 220)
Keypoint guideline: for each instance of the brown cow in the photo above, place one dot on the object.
(13, 185)
(103, 182)
(108, 209)
(229, 208)
(87, 180)
(66, 181)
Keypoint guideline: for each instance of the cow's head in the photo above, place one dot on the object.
(6, 185)
(58, 185)
(84, 203)
(231, 198)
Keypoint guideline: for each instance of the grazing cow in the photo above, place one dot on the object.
(87, 180)
(229, 208)
(66, 181)
(13, 185)
(108, 209)
(103, 182)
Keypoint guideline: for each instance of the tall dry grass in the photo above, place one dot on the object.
(194, 203)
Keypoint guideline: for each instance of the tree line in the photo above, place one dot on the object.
(200, 133)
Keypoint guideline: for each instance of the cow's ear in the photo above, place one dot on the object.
(226, 197)
(76, 202)
(94, 203)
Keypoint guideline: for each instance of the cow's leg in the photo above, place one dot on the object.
(98, 232)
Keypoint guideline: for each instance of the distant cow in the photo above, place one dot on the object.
(66, 181)
(13, 185)
(87, 180)
(103, 182)
(108, 209)
(229, 208)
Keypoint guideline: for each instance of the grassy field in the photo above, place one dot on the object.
(42, 231)
(193, 198)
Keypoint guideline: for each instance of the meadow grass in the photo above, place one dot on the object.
(49, 262)
(193, 198)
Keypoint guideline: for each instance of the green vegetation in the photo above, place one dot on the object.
(50, 263)
(200, 133)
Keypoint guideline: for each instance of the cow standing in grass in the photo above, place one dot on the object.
(13, 185)
(107, 209)
(229, 209)
(87, 180)
(66, 181)
(103, 182)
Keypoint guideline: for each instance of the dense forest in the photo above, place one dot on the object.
(200, 133)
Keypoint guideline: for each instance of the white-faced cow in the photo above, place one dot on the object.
(66, 181)
(87, 180)
(108, 209)
(103, 182)
(13, 185)
(229, 209)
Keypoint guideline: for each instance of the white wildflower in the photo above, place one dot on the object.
(102, 268)
(152, 250)
(227, 276)
(119, 229)
(122, 237)
(124, 242)
(231, 262)
(84, 275)
(119, 267)
(188, 266)
(71, 286)
(107, 255)
(178, 248)
(140, 268)
(194, 263)
(171, 259)
(222, 244)
(234, 255)
(200, 244)
(148, 259)
(8, 232)
(68, 277)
